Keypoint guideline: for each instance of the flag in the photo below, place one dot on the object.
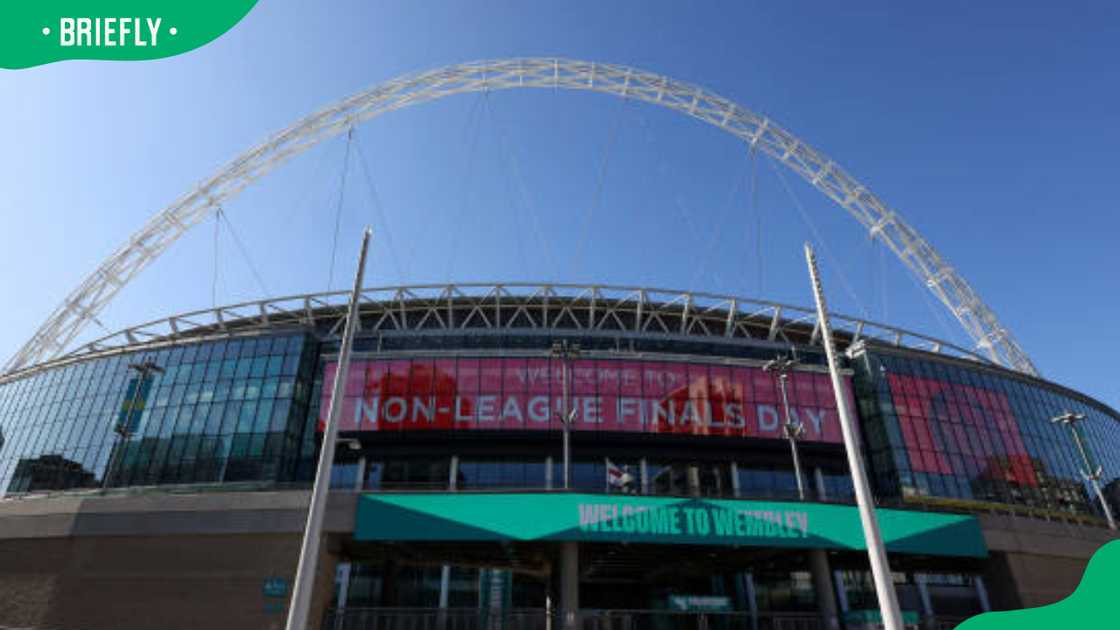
(619, 477)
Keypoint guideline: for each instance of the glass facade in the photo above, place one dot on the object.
(245, 409)
(229, 410)
(943, 430)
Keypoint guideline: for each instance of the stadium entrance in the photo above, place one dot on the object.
(520, 585)
(528, 558)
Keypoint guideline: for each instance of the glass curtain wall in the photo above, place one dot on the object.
(942, 430)
(229, 410)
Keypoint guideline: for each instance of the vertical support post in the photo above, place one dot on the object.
(876, 551)
(445, 570)
(752, 599)
(566, 352)
(818, 478)
(548, 482)
(693, 472)
(567, 420)
(982, 593)
(1091, 475)
(644, 473)
(791, 429)
(735, 480)
(343, 577)
(923, 595)
(841, 591)
(822, 585)
(444, 596)
(444, 585)
(569, 585)
(300, 606)
(360, 476)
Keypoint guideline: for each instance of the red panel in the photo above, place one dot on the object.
(467, 370)
(515, 377)
(537, 376)
(629, 378)
(606, 395)
(490, 376)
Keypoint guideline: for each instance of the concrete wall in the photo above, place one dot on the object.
(172, 561)
(1035, 562)
(158, 561)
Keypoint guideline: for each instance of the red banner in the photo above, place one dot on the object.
(949, 428)
(606, 395)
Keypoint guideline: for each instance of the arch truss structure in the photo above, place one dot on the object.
(617, 312)
(84, 303)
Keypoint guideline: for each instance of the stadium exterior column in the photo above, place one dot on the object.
(360, 476)
(841, 592)
(822, 585)
(982, 594)
(644, 471)
(444, 585)
(343, 579)
(569, 585)
(752, 599)
(445, 570)
(923, 595)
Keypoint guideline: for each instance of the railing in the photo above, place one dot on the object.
(538, 619)
(436, 619)
(943, 623)
(695, 620)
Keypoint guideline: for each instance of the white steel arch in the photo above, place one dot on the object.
(98, 289)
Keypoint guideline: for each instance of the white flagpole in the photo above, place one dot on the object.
(880, 569)
(309, 553)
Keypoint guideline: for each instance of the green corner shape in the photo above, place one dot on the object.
(1092, 605)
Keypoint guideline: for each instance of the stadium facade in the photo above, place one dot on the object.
(159, 477)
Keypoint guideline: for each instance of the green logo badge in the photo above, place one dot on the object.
(35, 33)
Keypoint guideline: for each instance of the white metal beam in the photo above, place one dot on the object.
(98, 289)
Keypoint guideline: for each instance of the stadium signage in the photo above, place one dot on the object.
(703, 520)
(656, 520)
(518, 411)
(609, 395)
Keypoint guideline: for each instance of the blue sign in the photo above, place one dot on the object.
(276, 587)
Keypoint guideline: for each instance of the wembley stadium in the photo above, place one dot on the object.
(160, 476)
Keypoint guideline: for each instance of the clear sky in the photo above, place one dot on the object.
(992, 127)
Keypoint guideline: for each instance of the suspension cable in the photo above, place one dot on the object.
(518, 242)
(522, 196)
(597, 199)
(693, 233)
(717, 233)
(338, 209)
(757, 212)
(214, 280)
(473, 116)
(805, 218)
(380, 215)
(244, 252)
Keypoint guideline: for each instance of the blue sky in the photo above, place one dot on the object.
(992, 127)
